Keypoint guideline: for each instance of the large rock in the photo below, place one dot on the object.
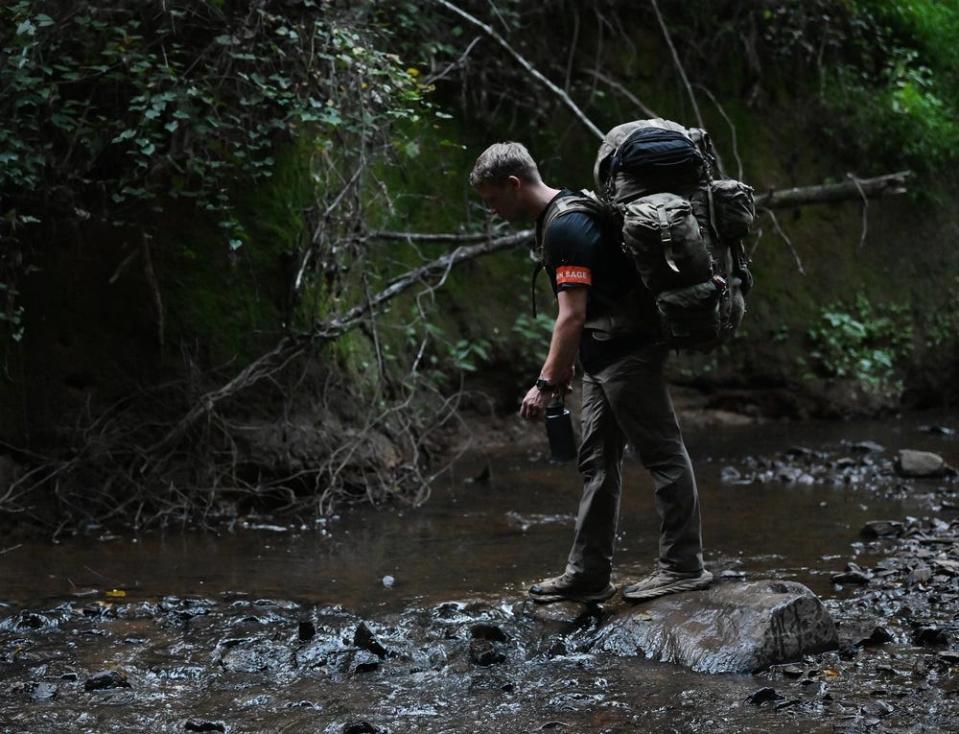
(920, 464)
(730, 628)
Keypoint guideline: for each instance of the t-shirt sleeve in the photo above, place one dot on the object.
(572, 245)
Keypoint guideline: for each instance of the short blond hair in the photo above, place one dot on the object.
(502, 160)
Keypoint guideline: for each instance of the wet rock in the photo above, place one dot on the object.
(867, 447)
(44, 691)
(877, 708)
(950, 657)
(878, 636)
(730, 628)
(917, 464)
(852, 575)
(789, 474)
(360, 727)
(389, 581)
(251, 655)
(106, 680)
(364, 639)
(763, 695)
(561, 616)
(730, 475)
(919, 575)
(319, 652)
(882, 529)
(202, 725)
(931, 635)
(306, 630)
(489, 632)
(486, 653)
(937, 430)
(364, 662)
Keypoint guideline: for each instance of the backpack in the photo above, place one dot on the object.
(682, 227)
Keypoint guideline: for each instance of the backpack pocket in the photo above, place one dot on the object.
(666, 242)
(690, 317)
(734, 208)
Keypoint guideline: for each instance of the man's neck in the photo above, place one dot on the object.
(539, 198)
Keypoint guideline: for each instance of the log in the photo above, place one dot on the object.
(854, 188)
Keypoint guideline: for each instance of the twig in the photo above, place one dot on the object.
(865, 209)
(123, 266)
(433, 78)
(430, 237)
(732, 132)
(789, 242)
(154, 284)
(572, 51)
(643, 107)
(488, 30)
(678, 63)
(10, 549)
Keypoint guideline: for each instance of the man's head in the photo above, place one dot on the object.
(507, 179)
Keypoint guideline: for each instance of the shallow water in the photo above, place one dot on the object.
(484, 541)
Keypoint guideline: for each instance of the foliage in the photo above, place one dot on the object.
(889, 74)
(862, 341)
(111, 111)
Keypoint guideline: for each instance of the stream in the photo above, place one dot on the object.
(415, 620)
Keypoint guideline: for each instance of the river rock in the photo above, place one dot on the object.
(730, 628)
(919, 464)
(105, 680)
(882, 529)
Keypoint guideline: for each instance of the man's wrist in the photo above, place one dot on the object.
(544, 385)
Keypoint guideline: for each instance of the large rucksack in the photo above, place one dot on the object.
(682, 227)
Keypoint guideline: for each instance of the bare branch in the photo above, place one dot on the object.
(430, 237)
(732, 132)
(865, 209)
(531, 70)
(785, 237)
(678, 63)
(645, 109)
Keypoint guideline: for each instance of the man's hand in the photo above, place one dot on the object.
(534, 404)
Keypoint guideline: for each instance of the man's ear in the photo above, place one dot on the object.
(514, 182)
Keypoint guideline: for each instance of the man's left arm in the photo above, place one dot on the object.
(563, 346)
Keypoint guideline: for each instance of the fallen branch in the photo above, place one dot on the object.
(887, 185)
(488, 30)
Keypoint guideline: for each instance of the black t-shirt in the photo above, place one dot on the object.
(577, 253)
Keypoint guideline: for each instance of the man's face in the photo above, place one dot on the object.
(504, 199)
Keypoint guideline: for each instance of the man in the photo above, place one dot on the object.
(609, 319)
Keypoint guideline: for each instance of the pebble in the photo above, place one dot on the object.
(388, 581)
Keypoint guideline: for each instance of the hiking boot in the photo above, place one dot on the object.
(570, 588)
(661, 582)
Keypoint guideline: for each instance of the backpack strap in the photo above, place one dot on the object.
(581, 201)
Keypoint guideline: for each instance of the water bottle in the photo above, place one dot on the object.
(559, 431)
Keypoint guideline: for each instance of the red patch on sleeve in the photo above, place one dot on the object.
(573, 275)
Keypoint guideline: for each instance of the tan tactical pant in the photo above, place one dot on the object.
(628, 401)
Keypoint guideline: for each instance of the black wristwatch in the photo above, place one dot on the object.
(545, 385)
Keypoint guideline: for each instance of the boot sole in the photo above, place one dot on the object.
(680, 585)
(594, 598)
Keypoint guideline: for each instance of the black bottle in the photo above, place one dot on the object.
(559, 431)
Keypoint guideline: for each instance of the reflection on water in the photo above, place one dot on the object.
(481, 539)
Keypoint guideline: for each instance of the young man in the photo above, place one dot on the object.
(608, 319)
